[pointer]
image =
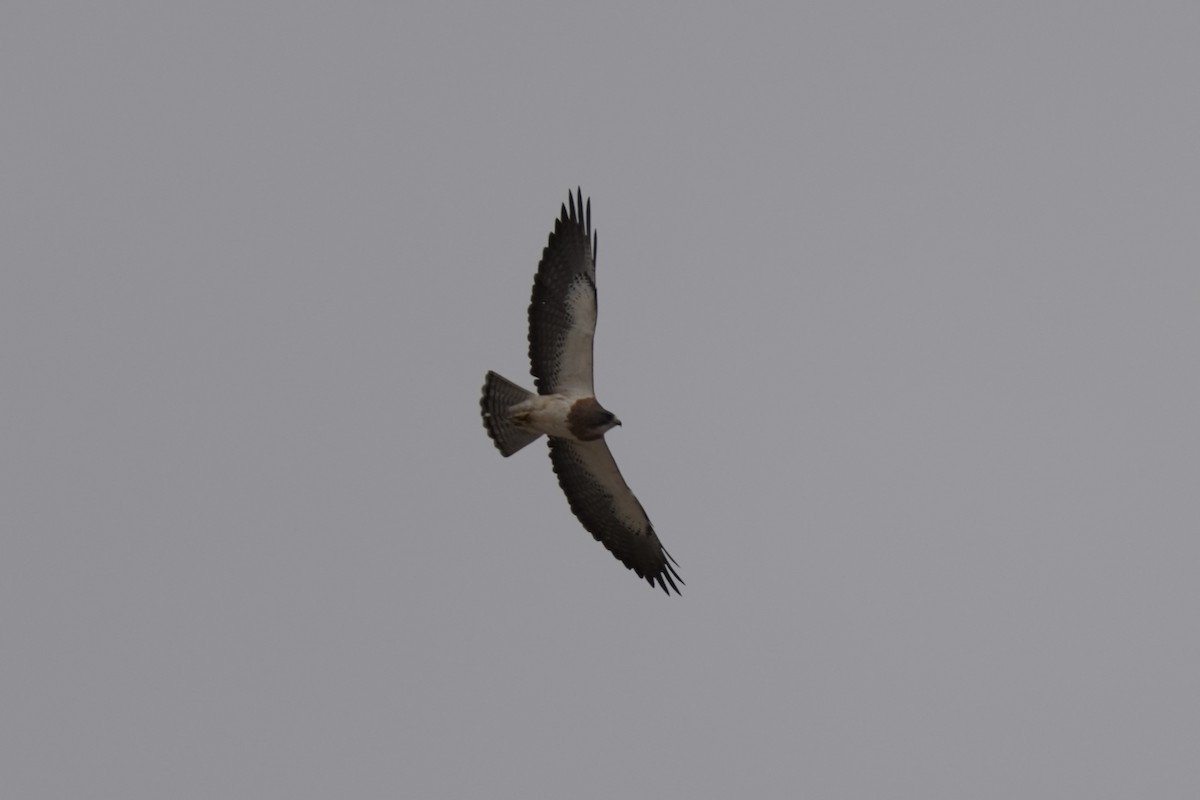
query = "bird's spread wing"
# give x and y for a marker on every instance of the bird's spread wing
(562, 313)
(604, 504)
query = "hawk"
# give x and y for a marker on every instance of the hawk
(562, 324)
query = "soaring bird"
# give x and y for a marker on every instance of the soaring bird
(562, 325)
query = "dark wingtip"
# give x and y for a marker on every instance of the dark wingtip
(583, 217)
(667, 575)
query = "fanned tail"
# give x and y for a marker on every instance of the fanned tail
(499, 395)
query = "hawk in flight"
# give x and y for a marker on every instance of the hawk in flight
(562, 324)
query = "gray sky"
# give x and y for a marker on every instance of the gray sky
(899, 304)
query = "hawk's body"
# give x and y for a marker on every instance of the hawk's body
(562, 324)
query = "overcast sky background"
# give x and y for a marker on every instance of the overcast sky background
(899, 304)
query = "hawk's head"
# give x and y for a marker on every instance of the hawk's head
(588, 420)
